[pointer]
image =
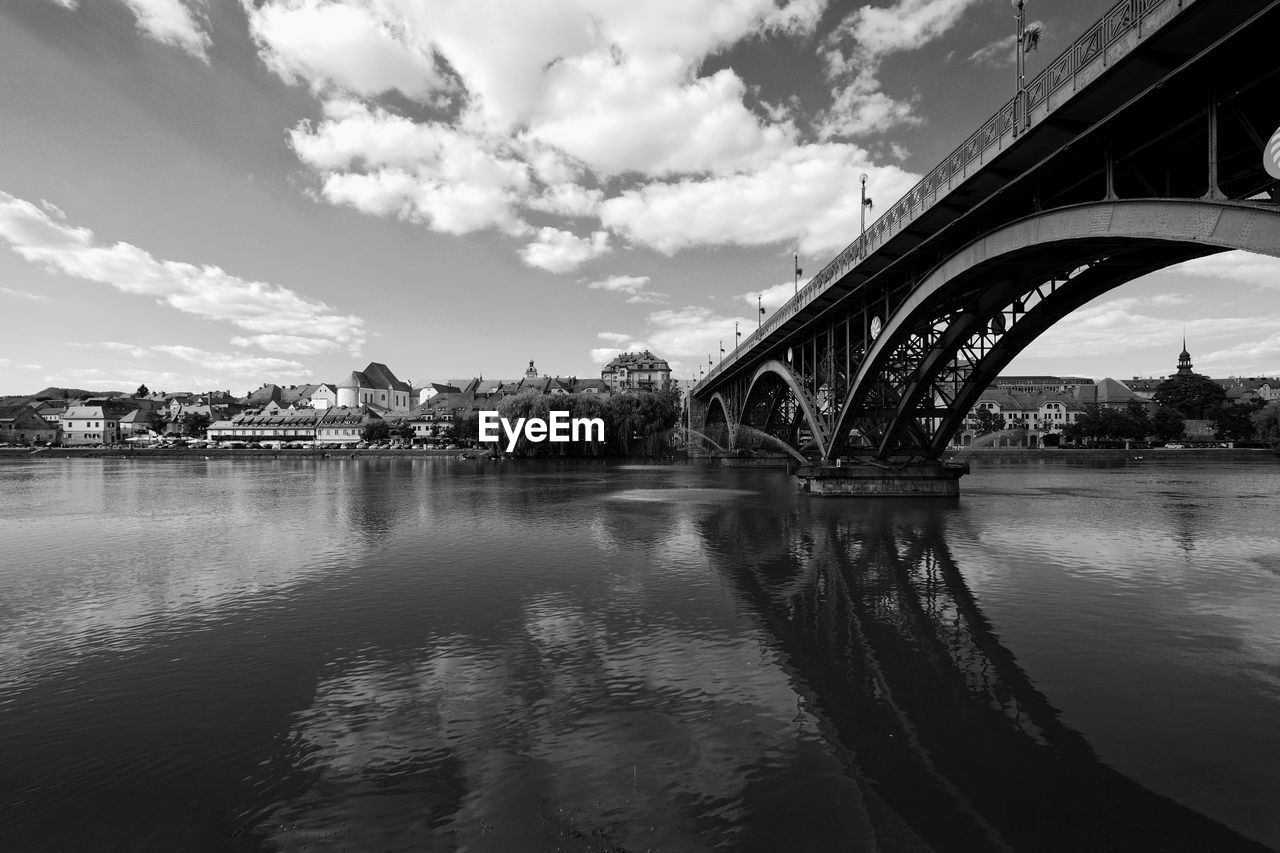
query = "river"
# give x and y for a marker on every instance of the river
(431, 654)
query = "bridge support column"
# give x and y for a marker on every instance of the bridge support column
(927, 478)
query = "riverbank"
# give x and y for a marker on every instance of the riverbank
(985, 454)
(211, 453)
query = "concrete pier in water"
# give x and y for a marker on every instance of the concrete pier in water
(926, 478)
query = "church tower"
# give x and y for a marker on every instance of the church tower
(1184, 359)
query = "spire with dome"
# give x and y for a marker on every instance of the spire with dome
(1184, 358)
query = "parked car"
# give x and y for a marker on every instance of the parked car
(1175, 446)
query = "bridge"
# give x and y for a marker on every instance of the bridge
(1143, 145)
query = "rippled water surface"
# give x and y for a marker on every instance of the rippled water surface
(415, 654)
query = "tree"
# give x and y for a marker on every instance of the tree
(142, 391)
(463, 430)
(1141, 418)
(196, 425)
(1266, 424)
(1167, 424)
(158, 422)
(1191, 394)
(988, 420)
(1233, 422)
(376, 431)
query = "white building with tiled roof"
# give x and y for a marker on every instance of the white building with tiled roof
(375, 386)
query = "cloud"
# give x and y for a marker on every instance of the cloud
(172, 22)
(1261, 271)
(560, 251)
(22, 294)
(178, 366)
(291, 344)
(1124, 324)
(1259, 357)
(809, 196)
(649, 116)
(346, 47)
(43, 237)
(855, 49)
(543, 106)
(1000, 53)
(634, 286)
(685, 337)
(386, 165)
(772, 298)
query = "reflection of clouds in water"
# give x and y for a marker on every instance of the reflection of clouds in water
(169, 541)
(579, 730)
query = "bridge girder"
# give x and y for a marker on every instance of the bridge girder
(956, 326)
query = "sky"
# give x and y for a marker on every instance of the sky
(200, 194)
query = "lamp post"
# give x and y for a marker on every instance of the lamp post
(796, 264)
(759, 310)
(737, 336)
(866, 202)
(1028, 38)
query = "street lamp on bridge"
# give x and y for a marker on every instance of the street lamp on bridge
(866, 202)
(1028, 38)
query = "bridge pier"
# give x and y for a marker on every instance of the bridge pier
(923, 478)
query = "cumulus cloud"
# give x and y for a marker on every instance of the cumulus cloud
(43, 236)
(540, 106)
(772, 298)
(855, 49)
(346, 47)
(560, 251)
(180, 23)
(172, 22)
(385, 165)
(648, 116)
(811, 194)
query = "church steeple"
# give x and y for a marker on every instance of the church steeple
(1184, 358)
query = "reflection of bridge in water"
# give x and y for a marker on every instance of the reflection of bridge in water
(952, 745)
(1141, 146)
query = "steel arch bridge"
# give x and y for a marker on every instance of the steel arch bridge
(1142, 146)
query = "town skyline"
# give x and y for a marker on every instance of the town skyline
(279, 191)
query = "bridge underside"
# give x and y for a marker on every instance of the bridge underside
(900, 387)
(1141, 146)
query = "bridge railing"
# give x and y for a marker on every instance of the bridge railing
(1090, 47)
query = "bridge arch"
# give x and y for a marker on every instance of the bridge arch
(766, 379)
(987, 302)
(718, 426)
